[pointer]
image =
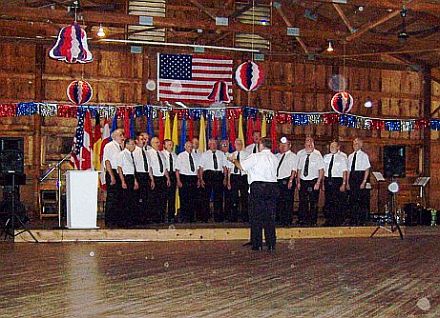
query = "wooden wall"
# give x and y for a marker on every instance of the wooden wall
(118, 77)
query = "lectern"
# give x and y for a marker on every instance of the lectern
(82, 199)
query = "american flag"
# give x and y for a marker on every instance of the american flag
(191, 78)
(81, 156)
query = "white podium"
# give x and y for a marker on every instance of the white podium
(82, 199)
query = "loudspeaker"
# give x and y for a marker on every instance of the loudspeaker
(394, 161)
(11, 155)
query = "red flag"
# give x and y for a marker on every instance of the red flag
(86, 150)
(249, 131)
(273, 133)
(127, 123)
(232, 135)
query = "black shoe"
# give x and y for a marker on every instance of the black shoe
(247, 243)
(271, 248)
(257, 248)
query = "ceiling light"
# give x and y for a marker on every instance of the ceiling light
(360, 8)
(368, 103)
(100, 32)
(330, 47)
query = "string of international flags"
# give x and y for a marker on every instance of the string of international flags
(158, 112)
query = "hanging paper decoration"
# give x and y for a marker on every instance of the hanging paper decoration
(48, 110)
(240, 129)
(161, 129)
(79, 92)
(219, 93)
(342, 102)
(249, 76)
(26, 109)
(71, 45)
(8, 110)
(202, 135)
(167, 133)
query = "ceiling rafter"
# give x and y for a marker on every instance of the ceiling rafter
(344, 17)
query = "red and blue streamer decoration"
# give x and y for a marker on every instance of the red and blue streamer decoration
(219, 93)
(342, 102)
(249, 76)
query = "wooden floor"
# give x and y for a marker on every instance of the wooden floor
(350, 277)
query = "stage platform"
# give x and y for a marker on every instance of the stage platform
(195, 232)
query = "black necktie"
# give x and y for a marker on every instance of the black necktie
(134, 164)
(171, 163)
(145, 160)
(120, 148)
(214, 157)
(238, 158)
(306, 166)
(353, 163)
(330, 167)
(279, 165)
(191, 162)
(160, 162)
(255, 148)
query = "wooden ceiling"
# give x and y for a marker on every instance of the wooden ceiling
(363, 31)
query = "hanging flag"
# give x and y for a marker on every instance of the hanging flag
(214, 133)
(182, 136)
(150, 125)
(202, 135)
(191, 129)
(161, 129)
(106, 138)
(263, 126)
(114, 124)
(273, 133)
(191, 78)
(167, 133)
(127, 123)
(232, 135)
(240, 129)
(175, 136)
(81, 155)
(132, 127)
(97, 140)
(249, 131)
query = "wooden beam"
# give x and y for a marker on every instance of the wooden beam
(289, 24)
(203, 9)
(371, 25)
(421, 50)
(343, 17)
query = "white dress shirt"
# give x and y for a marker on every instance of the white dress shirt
(288, 164)
(303, 152)
(139, 159)
(111, 151)
(184, 166)
(243, 155)
(339, 164)
(207, 160)
(166, 153)
(154, 160)
(316, 163)
(250, 148)
(261, 166)
(362, 161)
(126, 162)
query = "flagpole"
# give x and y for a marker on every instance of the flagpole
(58, 185)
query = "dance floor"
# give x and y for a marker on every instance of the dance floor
(349, 277)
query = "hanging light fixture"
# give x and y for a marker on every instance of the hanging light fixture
(330, 47)
(100, 32)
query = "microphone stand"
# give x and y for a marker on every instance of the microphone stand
(57, 166)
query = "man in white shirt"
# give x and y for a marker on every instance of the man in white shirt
(336, 176)
(146, 140)
(187, 180)
(358, 174)
(238, 185)
(213, 175)
(144, 176)
(255, 146)
(310, 176)
(286, 174)
(171, 157)
(129, 183)
(113, 200)
(261, 169)
(159, 166)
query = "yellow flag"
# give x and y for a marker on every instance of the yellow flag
(175, 137)
(263, 126)
(167, 134)
(177, 201)
(240, 129)
(96, 154)
(202, 135)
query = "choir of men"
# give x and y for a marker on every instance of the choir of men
(142, 182)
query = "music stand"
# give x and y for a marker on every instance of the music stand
(421, 182)
(390, 217)
(379, 178)
(11, 178)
